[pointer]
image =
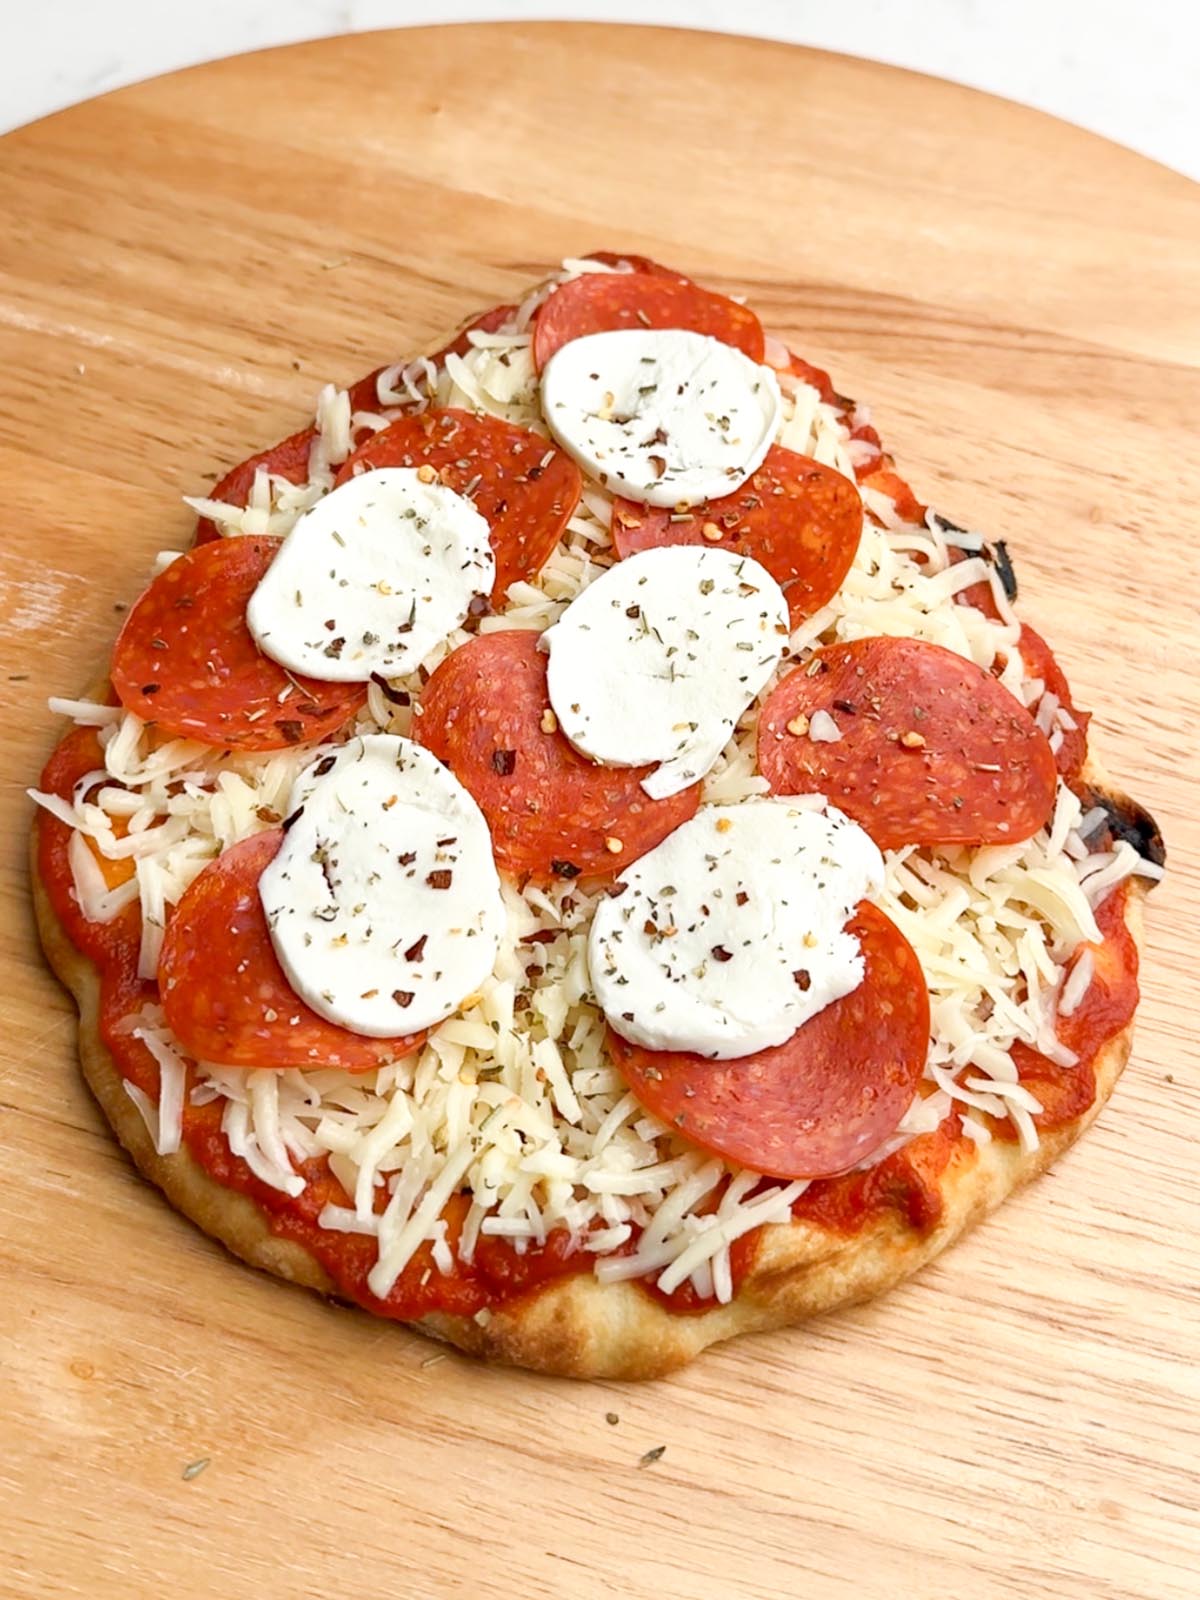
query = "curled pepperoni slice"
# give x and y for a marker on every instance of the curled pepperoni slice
(224, 993)
(1040, 662)
(930, 749)
(486, 714)
(524, 486)
(289, 458)
(800, 519)
(599, 302)
(821, 1101)
(186, 660)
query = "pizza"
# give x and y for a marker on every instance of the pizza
(577, 859)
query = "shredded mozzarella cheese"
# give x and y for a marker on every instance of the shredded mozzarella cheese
(515, 1103)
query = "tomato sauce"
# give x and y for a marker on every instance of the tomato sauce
(1040, 662)
(1107, 1006)
(906, 1183)
(685, 1301)
(102, 942)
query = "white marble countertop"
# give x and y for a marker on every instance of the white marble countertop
(1124, 71)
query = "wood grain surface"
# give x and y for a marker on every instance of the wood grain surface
(181, 264)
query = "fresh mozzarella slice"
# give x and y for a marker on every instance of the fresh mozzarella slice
(658, 658)
(665, 417)
(383, 902)
(369, 580)
(730, 935)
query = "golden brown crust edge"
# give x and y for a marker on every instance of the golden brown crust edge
(577, 1327)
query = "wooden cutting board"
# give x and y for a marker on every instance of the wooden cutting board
(182, 264)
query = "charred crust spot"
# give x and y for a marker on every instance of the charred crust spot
(993, 551)
(997, 554)
(1129, 822)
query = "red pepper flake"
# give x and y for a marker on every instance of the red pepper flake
(440, 878)
(416, 950)
(402, 997)
(803, 980)
(504, 762)
(565, 869)
(719, 953)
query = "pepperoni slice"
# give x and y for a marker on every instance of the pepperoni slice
(598, 302)
(793, 370)
(289, 458)
(186, 660)
(484, 713)
(821, 1101)
(224, 993)
(932, 749)
(524, 486)
(880, 474)
(817, 378)
(1040, 662)
(800, 519)
(364, 395)
(635, 263)
(485, 322)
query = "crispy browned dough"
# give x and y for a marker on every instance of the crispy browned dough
(576, 1327)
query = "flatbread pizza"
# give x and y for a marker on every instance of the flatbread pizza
(576, 858)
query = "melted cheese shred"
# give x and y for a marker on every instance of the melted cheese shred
(514, 1102)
